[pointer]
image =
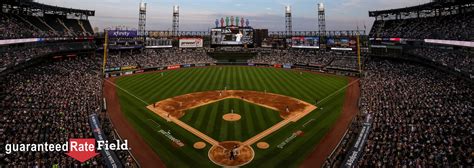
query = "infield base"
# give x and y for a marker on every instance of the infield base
(263, 145)
(199, 145)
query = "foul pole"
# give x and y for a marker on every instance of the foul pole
(358, 53)
(105, 51)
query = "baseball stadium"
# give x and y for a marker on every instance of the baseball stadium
(236, 84)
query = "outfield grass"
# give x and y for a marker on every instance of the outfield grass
(153, 87)
(208, 120)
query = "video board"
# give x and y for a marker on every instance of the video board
(342, 43)
(231, 36)
(305, 42)
(158, 43)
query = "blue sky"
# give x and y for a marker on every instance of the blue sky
(201, 14)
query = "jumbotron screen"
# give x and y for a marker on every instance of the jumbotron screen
(342, 42)
(305, 42)
(231, 36)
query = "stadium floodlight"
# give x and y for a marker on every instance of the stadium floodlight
(142, 19)
(175, 20)
(288, 22)
(321, 18)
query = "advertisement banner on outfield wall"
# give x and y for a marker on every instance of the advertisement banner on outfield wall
(287, 66)
(277, 65)
(190, 43)
(174, 67)
(128, 68)
(112, 69)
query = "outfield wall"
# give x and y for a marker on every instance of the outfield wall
(121, 71)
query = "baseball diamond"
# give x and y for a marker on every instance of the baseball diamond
(190, 103)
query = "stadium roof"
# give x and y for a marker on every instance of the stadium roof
(29, 4)
(427, 6)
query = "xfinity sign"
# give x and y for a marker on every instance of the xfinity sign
(122, 33)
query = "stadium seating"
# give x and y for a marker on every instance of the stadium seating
(165, 57)
(13, 27)
(421, 117)
(14, 55)
(456, 58)
(451, 27)
(50, 103)
(308, 57)
(158, 58)
(26, 26)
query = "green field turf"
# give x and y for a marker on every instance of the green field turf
(154, 87)
(208, 120)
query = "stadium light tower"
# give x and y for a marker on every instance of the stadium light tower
(321, 18)
(175, 20)
(288, 24)
(142, 19)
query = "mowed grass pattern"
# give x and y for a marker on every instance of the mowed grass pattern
(208, 120)
(153, 87)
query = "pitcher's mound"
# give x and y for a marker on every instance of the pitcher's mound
(263, 145)
(199, 145)
(231, 117)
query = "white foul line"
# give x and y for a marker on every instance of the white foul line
(128, 92)
(337, 91)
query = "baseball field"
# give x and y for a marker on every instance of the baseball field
(181, 114)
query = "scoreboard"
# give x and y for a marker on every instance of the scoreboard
(305, 42)
(232, 36)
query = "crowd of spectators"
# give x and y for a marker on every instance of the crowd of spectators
(11, 27)
(16, 26)
(119, 59)
(451, 27)
(51, 103)
(307, 57)
(421, 117)
(459, 58)
(14, 55)
(165, 57)
(351, 136)
(346, 62)
(159, 58)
